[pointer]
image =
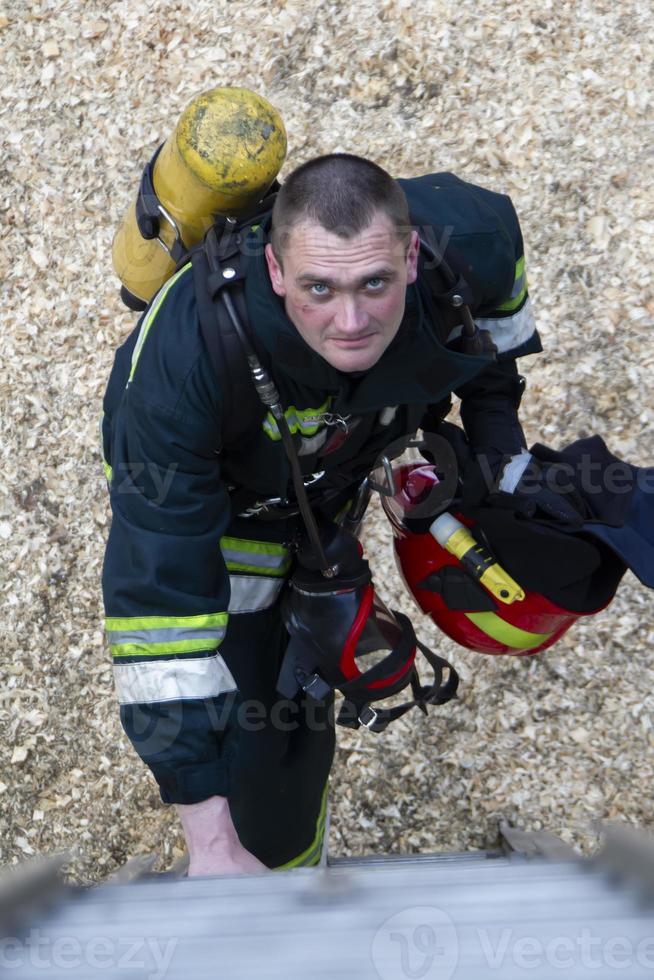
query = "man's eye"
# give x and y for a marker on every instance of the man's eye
(319, 289)
(376, 283)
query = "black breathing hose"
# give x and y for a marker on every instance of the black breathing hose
(269, 395)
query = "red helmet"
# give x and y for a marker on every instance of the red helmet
(458, 601)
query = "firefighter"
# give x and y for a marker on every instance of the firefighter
(349, 309)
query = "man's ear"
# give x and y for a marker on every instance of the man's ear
(275, 272)
(412, 257)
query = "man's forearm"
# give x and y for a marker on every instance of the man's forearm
(208, 824)
(213, 844)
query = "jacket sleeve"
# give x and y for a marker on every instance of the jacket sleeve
(490, 401)
(509, 319)
(489, 413)
(166, 587)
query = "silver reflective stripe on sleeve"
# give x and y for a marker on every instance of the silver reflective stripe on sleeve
(234, 556)
(514, 471)
(519, 284)
(510, 331)
(311, 444)
(172, 680)
(255, 557)
(174, 635)
(507, 332)
(252, 593)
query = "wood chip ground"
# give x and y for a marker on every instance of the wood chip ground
(549, 102)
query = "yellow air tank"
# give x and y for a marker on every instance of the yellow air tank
(222, 157)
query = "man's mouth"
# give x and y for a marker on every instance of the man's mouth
(353, 342)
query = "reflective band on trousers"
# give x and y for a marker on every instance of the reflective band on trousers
(153, 636)
(311, 855)
(152, 681)
(263, 557)
(252, 593)
(511, 636)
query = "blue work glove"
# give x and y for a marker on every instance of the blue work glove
(539, 490)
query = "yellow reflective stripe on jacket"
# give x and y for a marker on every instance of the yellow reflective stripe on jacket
(108, 472)
(302, 420)
(153, 636)
(150, 317)
(311, 855)
(145, 649)
(259, 557)
(511, 636)
(519, 290)
(200, 621)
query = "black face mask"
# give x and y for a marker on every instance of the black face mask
(342, 636)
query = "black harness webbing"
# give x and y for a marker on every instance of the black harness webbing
(242, 408)
(357, 711)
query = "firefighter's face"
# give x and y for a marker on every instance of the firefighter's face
(345, 296)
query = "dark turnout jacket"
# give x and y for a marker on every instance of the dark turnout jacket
(180, 560)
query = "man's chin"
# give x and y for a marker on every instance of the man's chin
(354, 360)
(353, 365)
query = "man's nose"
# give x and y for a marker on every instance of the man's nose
(350, 316)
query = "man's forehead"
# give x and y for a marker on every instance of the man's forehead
(379, 240)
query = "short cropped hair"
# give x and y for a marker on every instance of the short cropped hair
(341, 192)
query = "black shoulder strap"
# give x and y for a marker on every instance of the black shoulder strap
(453, 297)
(242, 409)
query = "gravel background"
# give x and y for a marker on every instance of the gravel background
(550, 103)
